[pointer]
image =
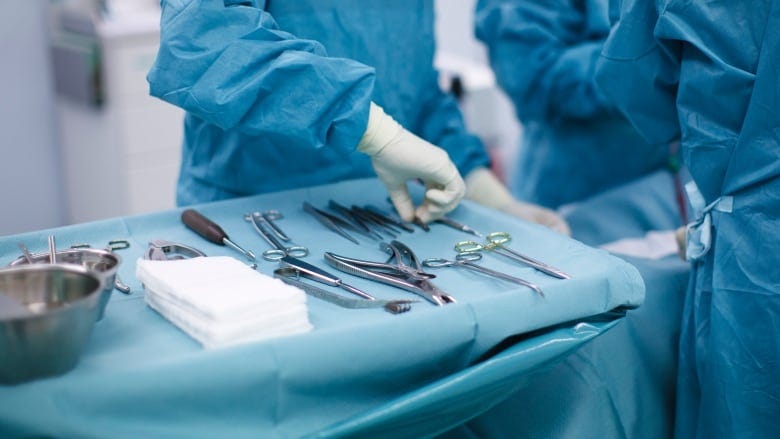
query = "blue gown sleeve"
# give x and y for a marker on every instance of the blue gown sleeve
(682, 70)
(443, 126)
(231, 65)
(541, 57)
(639, 76)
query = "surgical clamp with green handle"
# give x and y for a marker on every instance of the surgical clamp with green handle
(495, 242)
(466, 260)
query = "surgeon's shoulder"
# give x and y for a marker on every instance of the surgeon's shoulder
(172, 8)
(175, 5)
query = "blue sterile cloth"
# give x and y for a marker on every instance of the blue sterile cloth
(621, 384)
(140, 376)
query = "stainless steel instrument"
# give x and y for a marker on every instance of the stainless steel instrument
(160, 250)
(466, 260)
(279, 250)
(495, 242)
(405, 273)
(311, 272)
(291, 276)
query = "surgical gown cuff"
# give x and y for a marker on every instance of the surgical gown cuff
(381, 129)
(483, 187)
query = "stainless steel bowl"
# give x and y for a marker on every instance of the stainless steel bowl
(47, 312)
(103, 262)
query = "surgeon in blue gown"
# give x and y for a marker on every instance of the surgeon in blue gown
(289, 94)
(707, 73)
(575, 144)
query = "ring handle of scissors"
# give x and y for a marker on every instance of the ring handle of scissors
(438, 262)
(468, 256)
(297, 251)
(460, 259)
(469, 247)
(498, 238)
(276, 254)
(492, 241)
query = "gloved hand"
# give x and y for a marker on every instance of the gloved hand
(398, 156)
(484, 188)
(682, 242)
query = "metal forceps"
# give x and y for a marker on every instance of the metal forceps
(495, 242)
(270, 216)
(466, 260)
(279, 250)
(405, 272)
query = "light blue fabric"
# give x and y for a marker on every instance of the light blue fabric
(141, 377)
(707, 72)
(574, 143)
(456, 398)
(621, 384)
(277, 93)
(699, 232)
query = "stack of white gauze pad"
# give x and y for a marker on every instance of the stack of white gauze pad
(219, 301)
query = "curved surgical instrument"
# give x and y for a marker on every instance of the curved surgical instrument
(495, 242)
(467, 259)
(279, 251)
(406, 273)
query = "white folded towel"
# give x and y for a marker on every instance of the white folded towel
(656, 244)
(220, 301)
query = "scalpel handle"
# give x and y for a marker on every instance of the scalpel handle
(203, 226)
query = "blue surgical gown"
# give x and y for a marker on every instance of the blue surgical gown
(277, 93)
(707, 72)
(574, 144)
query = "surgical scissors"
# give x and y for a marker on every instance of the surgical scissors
(467, 259)
(279, 251)
(495, 242)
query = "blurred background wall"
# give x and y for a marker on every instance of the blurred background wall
(30, 174)
(76, 149)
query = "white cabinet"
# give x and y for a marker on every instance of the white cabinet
(120, 147)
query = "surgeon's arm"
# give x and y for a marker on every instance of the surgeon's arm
(233, 67)
(638, 75)
(539, 57)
